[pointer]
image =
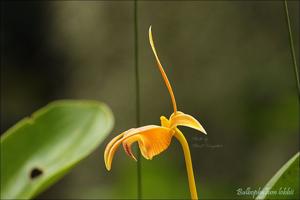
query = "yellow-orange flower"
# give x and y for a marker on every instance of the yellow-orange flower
(153, 139)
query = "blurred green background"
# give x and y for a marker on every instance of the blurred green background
(229, 63)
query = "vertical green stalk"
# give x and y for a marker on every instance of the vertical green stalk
(137, 100)
(292, 46)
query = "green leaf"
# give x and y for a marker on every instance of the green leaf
(285, 183)
(39, 150)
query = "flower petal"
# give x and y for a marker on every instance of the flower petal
(108, 148)
(142, 135)
(152, 140)
(162, 71)
(181, 119)
(164, 122)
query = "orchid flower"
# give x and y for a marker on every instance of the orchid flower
(152, 139)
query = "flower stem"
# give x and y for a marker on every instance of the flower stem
(137, 101)
(188, 162)
(292, 45)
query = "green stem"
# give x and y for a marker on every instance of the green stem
(292, 45)
(188, 162)
(137, 101)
